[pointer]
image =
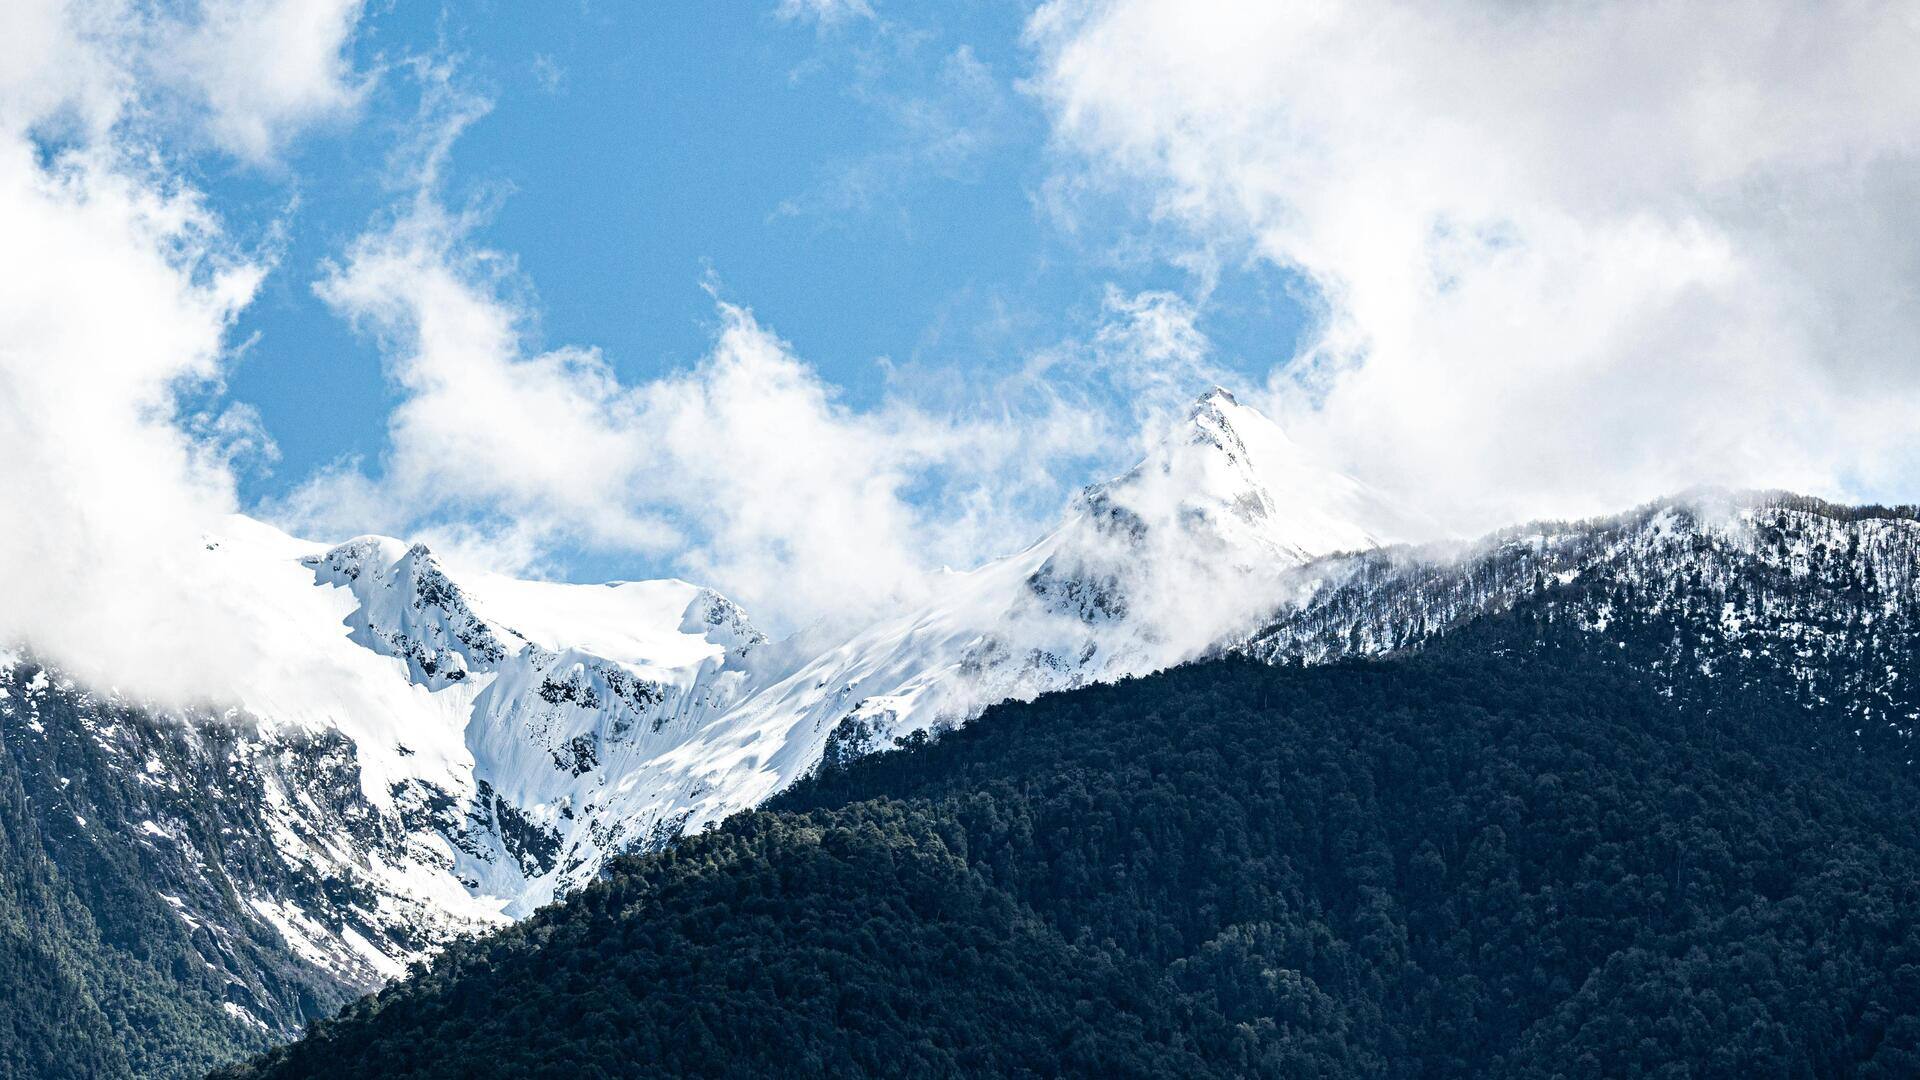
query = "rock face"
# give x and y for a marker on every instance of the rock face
(423, 753)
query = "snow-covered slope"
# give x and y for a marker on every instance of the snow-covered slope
(1150, 569)
(420, 758)
(419, 752)
(423, 753)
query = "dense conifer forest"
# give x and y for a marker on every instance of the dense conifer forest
(113, 961)
(96, 996)
(1510, 855)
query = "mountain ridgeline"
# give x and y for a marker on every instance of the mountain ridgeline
(1806, 599)
(1518, 852)
(427, 753)
(421, 751)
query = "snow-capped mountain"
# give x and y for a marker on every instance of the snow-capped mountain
(1147, 570)
(410, 760)
(423, 753)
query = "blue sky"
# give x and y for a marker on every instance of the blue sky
(806, 299)
(874, 189)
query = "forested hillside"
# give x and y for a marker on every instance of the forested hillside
(1509, 855)
(99, 976)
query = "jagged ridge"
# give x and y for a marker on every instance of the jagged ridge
(468, 747)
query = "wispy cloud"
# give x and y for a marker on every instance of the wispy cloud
(747, 470)
(548, 74)
(823, 12)
(1146, 350)
(935, 114)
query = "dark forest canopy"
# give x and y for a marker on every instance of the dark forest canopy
(100, 977)
(1482, 860)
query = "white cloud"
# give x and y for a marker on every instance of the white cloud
(746, 470)
(265, 68)
(824, 12)
(114, 293)
(47, 68)
(244, 75)
(117, 289)
(1569, 255)
(793, 492)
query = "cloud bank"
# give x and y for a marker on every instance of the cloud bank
(117, 289)
(1567, 256)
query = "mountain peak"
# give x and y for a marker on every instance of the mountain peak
(408, 608)
(1231, 469)
(1225, 494)
(1218, 420)
(1216, 394)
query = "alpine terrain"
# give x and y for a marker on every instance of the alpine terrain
(1511, 854)
(424, 754)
